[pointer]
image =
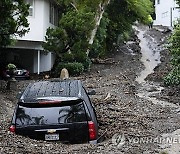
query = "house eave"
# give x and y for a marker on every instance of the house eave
(33, 45)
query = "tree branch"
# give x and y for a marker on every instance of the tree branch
(74, 6)
(98, 20)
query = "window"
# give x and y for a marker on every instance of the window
(53, 14)
(44, 116)
(158, 1)
(31, 7)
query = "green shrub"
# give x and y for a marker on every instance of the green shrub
(99, 46)
(173, 78)
(68, 57)
(81, 57)
(174, 46)
(74, 68)
(11, 66)
(87, 64)
(164, 152)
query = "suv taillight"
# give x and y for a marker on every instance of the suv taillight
(12, 129)
(92, 130)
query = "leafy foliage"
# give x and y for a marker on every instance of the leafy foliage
(80, 57)
(178, 2)
(70, 39)
(12, 20)
(173, 78)
(174, 46)
(122, 14)
(98, 49)
(72, 34)
(140, 8)
(79, 18)
(11, 66)
(74, 68)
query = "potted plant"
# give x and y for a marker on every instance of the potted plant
(11, 73)
(11, 70)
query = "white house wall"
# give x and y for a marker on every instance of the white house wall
(46, 61)
(166, 12)
(53, 58)
(46, 24)
(38, 24)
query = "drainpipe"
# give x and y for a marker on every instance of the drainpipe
(39, 56)
(172, 11)
(171, 18)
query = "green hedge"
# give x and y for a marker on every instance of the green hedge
(67, 57)
(73, 68)
(173, 78)
(78, 57)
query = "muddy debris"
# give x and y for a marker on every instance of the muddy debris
(120, 111)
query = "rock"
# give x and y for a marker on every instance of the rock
(151, 89)
(92, 92)
(12, 85)
(90, 86)
(170, 93)
(132, 88)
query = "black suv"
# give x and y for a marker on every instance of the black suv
(56, 111)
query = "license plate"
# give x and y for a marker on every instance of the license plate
(51, 137)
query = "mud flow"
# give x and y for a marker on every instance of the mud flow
(128, 103)
(148, 90)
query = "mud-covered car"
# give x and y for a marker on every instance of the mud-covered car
(21, 73)
(56, 111)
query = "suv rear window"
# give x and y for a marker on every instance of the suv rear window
(50, 115)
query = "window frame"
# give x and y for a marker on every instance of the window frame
(53, 14)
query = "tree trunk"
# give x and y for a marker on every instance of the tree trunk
(98, 21)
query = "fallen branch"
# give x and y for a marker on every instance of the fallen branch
(107, 96)
(103, 61)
